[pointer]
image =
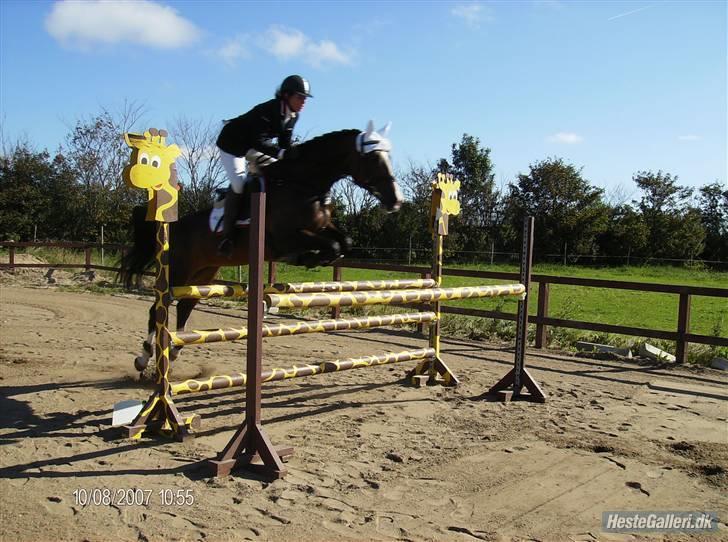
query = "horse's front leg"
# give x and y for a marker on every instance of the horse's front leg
(334, 233)
(314, 250)
(184, 309)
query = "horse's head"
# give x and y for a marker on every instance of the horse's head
(373, 170)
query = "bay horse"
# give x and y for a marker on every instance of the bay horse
(298, 225)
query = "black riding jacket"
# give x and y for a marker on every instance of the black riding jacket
(256, 130)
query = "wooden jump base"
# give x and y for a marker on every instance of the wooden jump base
(241, 290)
(181, 338)
(298, 371)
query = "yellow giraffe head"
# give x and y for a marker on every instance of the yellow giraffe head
(444, 202)
(151, 166)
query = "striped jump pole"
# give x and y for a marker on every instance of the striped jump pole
(241, 290)
(297, 371)
(182, 338)
(390, 297)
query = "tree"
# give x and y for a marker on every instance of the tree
(626, 232)
(22, 198)
(96, 152)
(714, 218)
(479, 199)
(567, 209)
(38, 196)
(673, 223)
(199, 168)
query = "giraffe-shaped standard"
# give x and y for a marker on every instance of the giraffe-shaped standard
(444, 202)
(152, 167)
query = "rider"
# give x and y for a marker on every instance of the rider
(249, 137)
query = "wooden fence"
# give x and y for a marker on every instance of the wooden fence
(87, 248)
(681, 336)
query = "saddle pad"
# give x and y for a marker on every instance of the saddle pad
(216, 219)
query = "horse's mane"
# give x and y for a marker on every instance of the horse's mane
(323, 142)
(317, 159)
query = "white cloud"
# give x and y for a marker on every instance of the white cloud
(325, 51)
(565, 137)
(283, 42)
(689, 137)
(142, 22)
(288, 43)
(473, 14)
(233, 50)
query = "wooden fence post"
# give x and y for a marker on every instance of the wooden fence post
(542, 339)
(87, 251)
(11, 258)
(683, 327)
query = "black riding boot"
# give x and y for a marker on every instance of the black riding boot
(233, 208)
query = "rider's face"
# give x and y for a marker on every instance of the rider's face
(296, 102)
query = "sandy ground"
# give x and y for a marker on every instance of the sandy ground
(374, 459)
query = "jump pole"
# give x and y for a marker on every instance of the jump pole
(182, 338)
(298, 371)
(241, 290)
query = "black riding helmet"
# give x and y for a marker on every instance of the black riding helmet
(295, 84)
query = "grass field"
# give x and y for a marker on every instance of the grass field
(709, 315)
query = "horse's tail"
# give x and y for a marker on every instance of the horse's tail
(141, 256)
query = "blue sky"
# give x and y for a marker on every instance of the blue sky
(613, 87)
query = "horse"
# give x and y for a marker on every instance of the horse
(298, 227)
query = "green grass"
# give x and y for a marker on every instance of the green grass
(709, 315)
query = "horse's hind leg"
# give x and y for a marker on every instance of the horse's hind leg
(142, 360)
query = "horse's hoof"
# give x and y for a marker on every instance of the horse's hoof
(140, 363)
(348, 245)
(174, 353)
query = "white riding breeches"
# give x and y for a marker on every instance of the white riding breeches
(235, 169)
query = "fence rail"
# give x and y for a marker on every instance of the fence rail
(87, 248)
(681, 336)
